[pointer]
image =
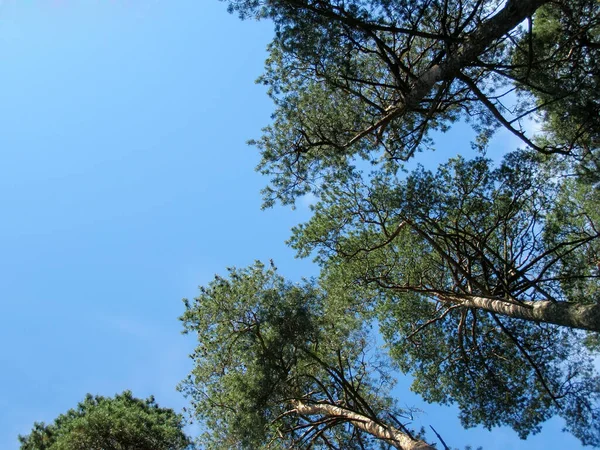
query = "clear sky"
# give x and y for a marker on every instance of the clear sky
(125, 182)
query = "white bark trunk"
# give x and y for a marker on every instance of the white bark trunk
(572, 315)
(391, 435)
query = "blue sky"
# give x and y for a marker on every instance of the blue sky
(125, 182)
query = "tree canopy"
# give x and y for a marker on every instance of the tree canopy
(483, 276)
(278, 367)
(469, 270)
(373, 79)
(122, 422)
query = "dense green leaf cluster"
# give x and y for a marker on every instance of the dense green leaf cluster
(122, 422)
(470, 229)
(558, 64)
(264, 344)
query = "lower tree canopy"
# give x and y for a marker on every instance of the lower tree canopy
(483, 280)
(282, 365)
(279, 366)
(122, 422)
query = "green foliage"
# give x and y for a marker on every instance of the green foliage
(510, 232)
(470, 358)
(467, 229)
(576, 213)
(558, 67)
(359, 82)
(264, 343)
(373, 79)
(119, 423)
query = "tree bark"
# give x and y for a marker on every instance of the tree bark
(572, 315)
(387, 433)
(510, 16)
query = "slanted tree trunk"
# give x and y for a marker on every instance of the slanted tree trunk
(510, 16)
(572, 315)
(387, 433)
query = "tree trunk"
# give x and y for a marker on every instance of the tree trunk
(387, 433)
(572, 315)
(509, 17)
